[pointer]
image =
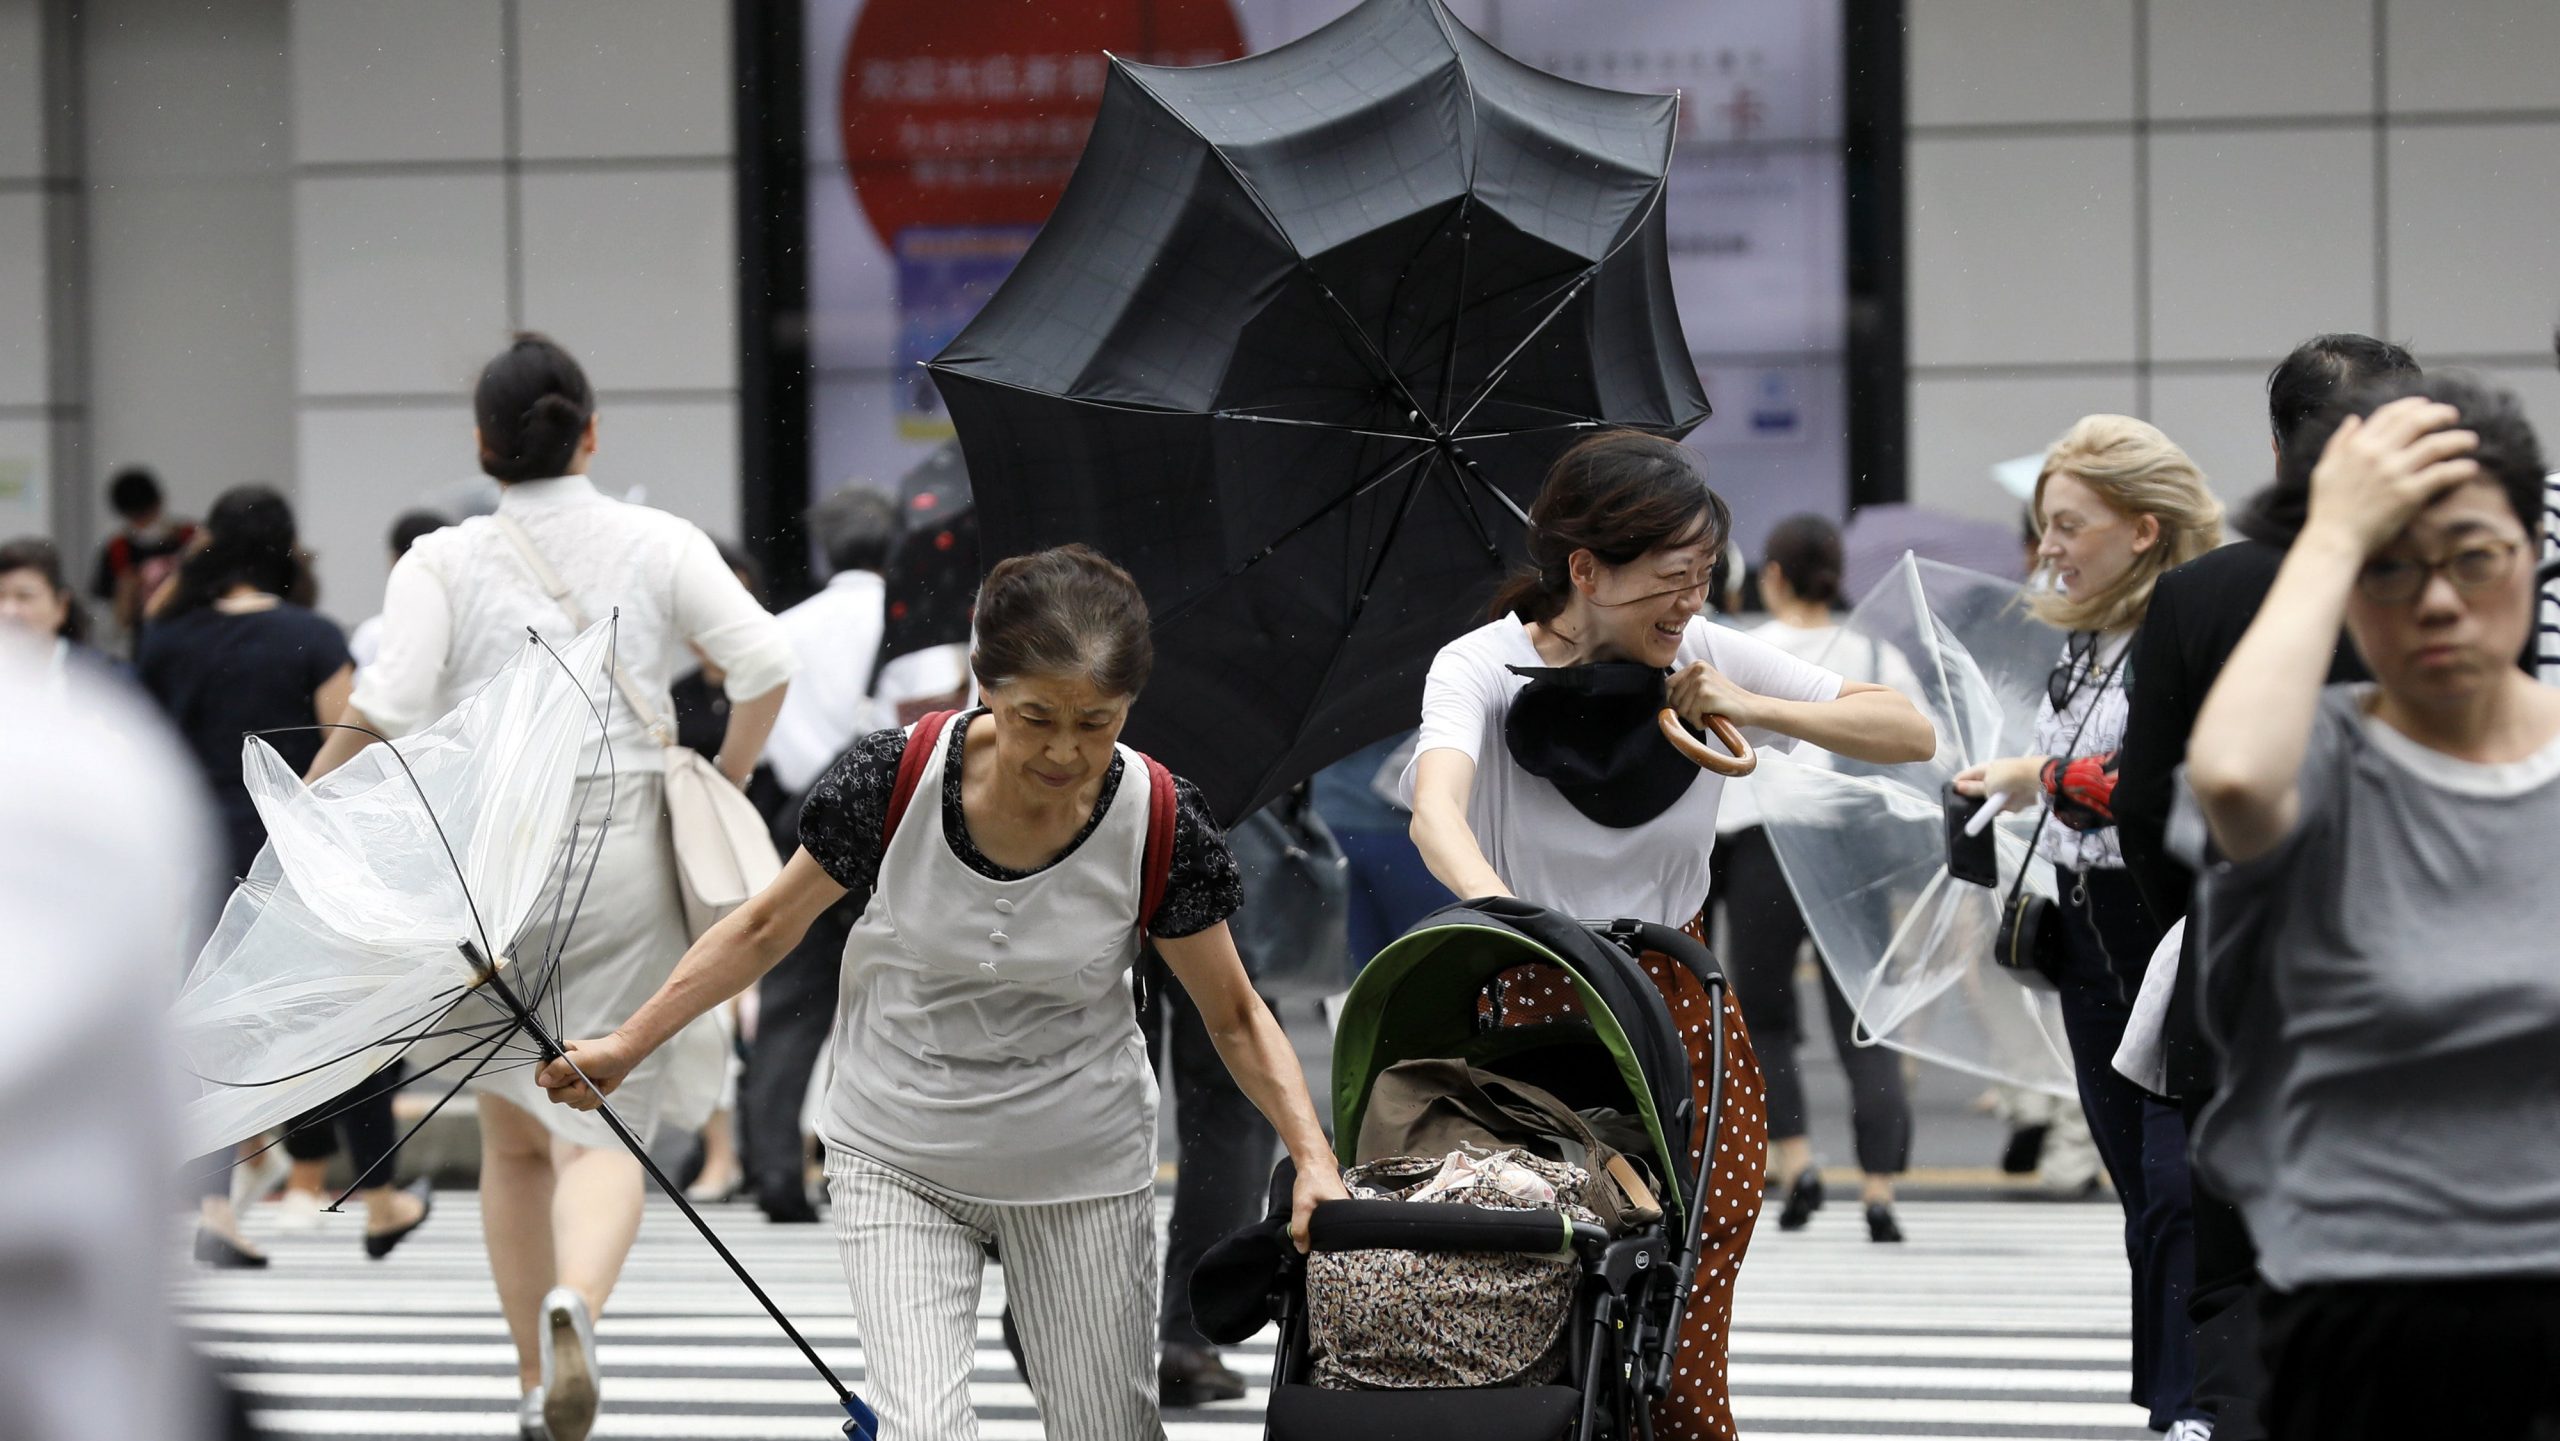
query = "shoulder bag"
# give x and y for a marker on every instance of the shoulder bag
(724, 853)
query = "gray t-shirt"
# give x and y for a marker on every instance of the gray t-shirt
(2386, 987)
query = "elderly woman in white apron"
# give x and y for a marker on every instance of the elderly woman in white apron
(989, 1081)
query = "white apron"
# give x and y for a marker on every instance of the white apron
(985, 1038)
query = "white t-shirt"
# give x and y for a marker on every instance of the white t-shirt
(1551, 854)
(835, 636)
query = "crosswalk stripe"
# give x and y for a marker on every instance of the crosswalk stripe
(1999, 1321)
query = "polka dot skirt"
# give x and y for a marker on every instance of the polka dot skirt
(1699, 1406)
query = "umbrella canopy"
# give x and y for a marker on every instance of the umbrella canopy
(1876, 537)
(1864, 847)
(933, 577)
(1297, 347)
(344, 945)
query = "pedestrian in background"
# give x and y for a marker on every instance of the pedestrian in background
(1799, 578)
(36, 600)
(2197, 615)
(2119, 504)
(228, 657)
(143, 553)
(2379, 943)
(365, 642)
(835, 643)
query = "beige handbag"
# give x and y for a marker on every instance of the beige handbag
(724, 853)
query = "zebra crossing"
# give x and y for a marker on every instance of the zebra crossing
(1998, 1321)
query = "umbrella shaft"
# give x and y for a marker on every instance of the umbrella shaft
(552, 1050)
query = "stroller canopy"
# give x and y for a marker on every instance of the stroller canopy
(1419, 999)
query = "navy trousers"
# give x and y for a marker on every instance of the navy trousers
(2142, 1139)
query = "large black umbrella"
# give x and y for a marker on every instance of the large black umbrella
(1296, 347)
(933, 576)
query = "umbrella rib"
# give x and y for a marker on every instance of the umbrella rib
(1386, 473)
(1335, 426)
(976, 378)
(1937, 652)
(1351, 620)
(446, 1099)
(460, 880)
(1475, 521)
(1500, 370)
(1466, 206)
(559, 939)
(1525, 430)
(1501, 495)
(1350, 323)
(405, 1040)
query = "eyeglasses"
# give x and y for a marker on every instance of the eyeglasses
(2400, 580)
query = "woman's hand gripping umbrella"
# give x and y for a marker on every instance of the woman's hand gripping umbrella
(381, 922)
(1865, 847)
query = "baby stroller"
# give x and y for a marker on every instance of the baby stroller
(1427, 996)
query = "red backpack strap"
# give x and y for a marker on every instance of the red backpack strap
(1161, 809)
(911, 763)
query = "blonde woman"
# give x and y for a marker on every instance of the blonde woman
(2117, 503)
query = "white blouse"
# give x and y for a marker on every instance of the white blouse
(460, 601)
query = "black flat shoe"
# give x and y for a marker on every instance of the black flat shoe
(2024, 1152)
(1188, 1376)
(1803, 1199)
(378, 1246)
(787, 1207)
(1881, 1226)
(223, 1254)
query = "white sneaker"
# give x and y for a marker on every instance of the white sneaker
(568, 1338)
(2190, 1431)
(298, 1211)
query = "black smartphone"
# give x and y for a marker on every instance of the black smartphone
(1974, 858)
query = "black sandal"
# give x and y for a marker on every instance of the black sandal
(1803, 1199)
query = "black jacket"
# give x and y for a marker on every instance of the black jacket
(2197, 615)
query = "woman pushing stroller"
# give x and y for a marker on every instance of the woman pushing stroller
(990, 1083)
(1537, 775)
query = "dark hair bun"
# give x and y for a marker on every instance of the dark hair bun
(532, 405)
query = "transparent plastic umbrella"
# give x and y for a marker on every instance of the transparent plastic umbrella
(384, 917)
(384, 893)
(1864, 846)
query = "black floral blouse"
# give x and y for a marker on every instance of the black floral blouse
(840, 827)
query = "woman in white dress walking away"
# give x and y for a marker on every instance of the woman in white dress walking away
(560, 1199)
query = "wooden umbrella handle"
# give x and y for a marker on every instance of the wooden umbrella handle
(1742, 762)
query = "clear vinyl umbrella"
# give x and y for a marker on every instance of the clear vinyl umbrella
(383, 895)
(1864, 847)
(383, 918)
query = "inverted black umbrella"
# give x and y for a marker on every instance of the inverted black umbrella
(933, 576)
(1296, 347)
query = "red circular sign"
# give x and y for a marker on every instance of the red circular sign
(974, 113)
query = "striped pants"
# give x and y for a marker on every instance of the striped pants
(1080, 1276)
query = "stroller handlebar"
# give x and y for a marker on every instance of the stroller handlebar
(1448, 1226)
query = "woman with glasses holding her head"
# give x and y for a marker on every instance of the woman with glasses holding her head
(2116, 504)
(2379, 963)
